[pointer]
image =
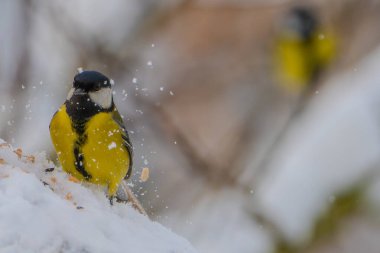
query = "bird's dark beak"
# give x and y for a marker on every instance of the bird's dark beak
(79, 92)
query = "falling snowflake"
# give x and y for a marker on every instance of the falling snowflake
(112, 145)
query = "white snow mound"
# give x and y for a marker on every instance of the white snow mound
(62, 215)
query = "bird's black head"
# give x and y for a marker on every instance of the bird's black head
(91, 93)
(91, 81)
(303, 21)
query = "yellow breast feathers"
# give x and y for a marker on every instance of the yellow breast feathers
(97, 150)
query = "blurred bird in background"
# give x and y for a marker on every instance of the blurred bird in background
(89, 135)
(303, 49)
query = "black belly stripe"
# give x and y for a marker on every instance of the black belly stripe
(78, 154)
(79, 163)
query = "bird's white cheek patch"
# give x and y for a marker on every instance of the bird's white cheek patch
(102, 97)
(70, 94)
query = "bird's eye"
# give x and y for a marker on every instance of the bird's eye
(97, 88)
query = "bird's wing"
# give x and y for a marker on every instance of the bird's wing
(126, 141)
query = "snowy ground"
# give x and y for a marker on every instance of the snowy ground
(51, 212)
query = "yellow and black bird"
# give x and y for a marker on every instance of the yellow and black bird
(303, 49)
(89, 136)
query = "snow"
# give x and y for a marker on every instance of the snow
(62, 215)
(219, 221)
(112, 145)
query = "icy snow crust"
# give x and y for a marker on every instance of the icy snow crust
(62, 215)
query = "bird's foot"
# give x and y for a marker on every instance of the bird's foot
(111, 200)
